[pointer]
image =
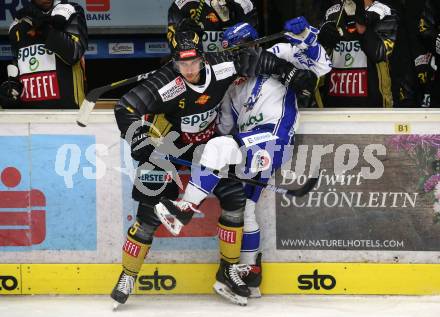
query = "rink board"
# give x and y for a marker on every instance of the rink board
(279, 278)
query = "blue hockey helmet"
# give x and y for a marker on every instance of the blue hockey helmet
(239, 33)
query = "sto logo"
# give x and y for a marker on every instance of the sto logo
(22, 214)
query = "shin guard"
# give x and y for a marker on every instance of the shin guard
(230, 236)
(135, 250)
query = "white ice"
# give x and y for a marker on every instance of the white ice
(213, 306)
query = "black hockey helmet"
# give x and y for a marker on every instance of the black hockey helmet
(44, 5)
(186, 45)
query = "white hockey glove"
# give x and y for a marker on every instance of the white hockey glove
(61, 14)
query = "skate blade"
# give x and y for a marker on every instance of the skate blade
(225, 292)
(115, 305)
(164, 216)
(255, 292)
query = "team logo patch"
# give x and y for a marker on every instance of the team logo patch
(261, 161)
(198, 121)
(348, 83)
(172, 89)
(131, 248)
(40, 86)
(227, 236)
(188, 54)
(212, 18)
(349, 54)
(258, 138)
(202, 100)
(155, 177)
(223, 70)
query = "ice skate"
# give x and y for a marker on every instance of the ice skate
(252, 275)
(174, 214)
(229, 284)
(123, 288)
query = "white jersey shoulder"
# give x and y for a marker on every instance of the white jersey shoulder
(320, 66)
(381, 9)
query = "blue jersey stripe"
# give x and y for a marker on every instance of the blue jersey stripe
(288, 116)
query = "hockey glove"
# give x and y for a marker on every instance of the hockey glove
(139, 151)
(11, 89)
(328, 35)
(303, 35)
(423, 68)
(424, 72)
(246, 61)
(221, 8)
(61, 14)
(300, 80)
(360, 14)
(269, 64)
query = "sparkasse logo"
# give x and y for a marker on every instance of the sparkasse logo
(98, 5)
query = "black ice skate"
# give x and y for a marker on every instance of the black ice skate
(229, 284)
(174, 214)
(123, 288)
(252, 276)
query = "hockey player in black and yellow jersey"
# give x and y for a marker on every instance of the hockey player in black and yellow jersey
(210, 18)
(429, 29)
(48, 40)
(183, 96)
(360, 41)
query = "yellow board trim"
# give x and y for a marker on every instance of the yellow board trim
(278, 278)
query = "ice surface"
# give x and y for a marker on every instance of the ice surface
(213, 306)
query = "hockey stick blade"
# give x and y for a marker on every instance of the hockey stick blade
(302, 36)
(89, 102)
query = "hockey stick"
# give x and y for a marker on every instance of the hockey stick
(304, 190)
(269, 38)
(90, 100)
(341, 11)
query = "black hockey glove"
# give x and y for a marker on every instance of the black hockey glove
(302, 81)
(61, 14)
(423, 69)
(360, 14)
(269, 64)
(11, 89)
(138, 152)
(246, 61)
(328, 35)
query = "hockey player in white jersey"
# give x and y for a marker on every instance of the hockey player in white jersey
(257, 120)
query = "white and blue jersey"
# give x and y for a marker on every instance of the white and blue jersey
(265, 103)
(262, 114)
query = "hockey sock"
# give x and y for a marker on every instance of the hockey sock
(230, 236)
(201, 184)
(135, 249)
(251, 235)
